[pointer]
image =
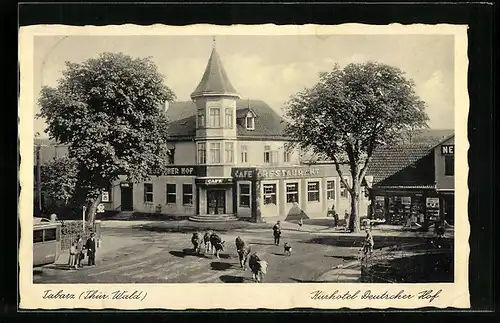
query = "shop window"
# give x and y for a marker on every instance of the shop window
(269, 194)
(229, 148)
(292, 193)
(215, 152)
(187, 194)
(229, 117)
(244, 195)
(148, 193)
(330, 190)
(343, 190)
(449, 165)
(202, 156)
(214, 117)
(244, 154)
(171, 194)
(313, 191)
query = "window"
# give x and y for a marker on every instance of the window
(250, 123)
(202, 156)
(286, 156)
(170, 155)
(49, 235)
(171, 194)
(37, 236)
(201, 119)
(229, 147)
(148, 193)
(244, 195)
(313, 191)
(449, 165)
(269, 194)
(215, 153)
(229, 118)
(214, 115)
(330, 190)
(292, 193)
(244, 155)
(267, 154)
(274, 157)
(187, 194)
(343, 189)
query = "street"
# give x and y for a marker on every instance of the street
(166, 257)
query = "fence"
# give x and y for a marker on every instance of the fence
(70, 237)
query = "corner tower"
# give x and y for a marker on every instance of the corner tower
(215, 99)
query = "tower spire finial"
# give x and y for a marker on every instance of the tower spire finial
(214, 42)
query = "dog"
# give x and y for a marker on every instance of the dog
(287, 248)
(243, 251)
(258, 267)
(196, 241)
(206, 240)
(217, 244)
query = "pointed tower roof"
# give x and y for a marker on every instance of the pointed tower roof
(214, 80)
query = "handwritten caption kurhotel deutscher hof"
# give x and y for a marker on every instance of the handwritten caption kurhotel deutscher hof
(428, 294)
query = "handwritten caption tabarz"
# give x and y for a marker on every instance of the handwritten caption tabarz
(96, 294)
(428, 294)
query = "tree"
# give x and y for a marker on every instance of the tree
(107, 109)
(58, 180)
(351, 111)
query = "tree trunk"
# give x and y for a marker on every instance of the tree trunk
(354, 221)
(92, 210)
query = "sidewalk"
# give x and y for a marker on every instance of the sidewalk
(108, 244)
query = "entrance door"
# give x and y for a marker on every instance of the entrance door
(127, 198)
(216, 201)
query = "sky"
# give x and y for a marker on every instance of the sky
(268, 68)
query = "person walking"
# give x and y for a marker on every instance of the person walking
(72, 255)
(79, 252)
(301, 222)
(277, 233)
(90, 246)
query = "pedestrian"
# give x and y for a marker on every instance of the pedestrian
(346, 218)
(90, 246)
(301, 222)
(277, 233)
(72, 255)
(335, 219)
(368, 244)
(79, 252)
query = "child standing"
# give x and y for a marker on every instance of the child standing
(72, 256)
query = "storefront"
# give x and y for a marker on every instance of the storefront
(397, 205)
(291, 192)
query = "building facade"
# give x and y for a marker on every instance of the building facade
(229, 159)
(416, 179)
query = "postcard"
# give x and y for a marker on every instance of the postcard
(243, 167)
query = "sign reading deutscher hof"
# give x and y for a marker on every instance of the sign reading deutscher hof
(196, 167)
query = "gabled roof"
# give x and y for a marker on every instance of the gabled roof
(402, 165)
(242, 113)
(214, 80)
(268, 125)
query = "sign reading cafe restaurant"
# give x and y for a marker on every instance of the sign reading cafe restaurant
(275, 173)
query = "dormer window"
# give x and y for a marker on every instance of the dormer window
(250, 123)
(250, 120)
